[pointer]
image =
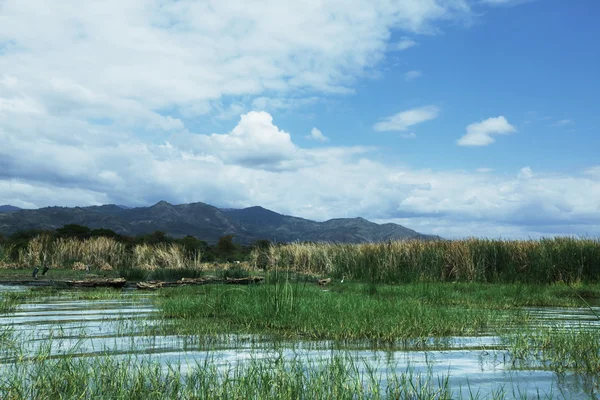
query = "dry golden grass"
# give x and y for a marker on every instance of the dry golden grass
(104, 254)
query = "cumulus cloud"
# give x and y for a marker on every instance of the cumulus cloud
(480, 133)
(258, 163)
(317, 135)
(405, 119)
(412, 75)
(254, 142)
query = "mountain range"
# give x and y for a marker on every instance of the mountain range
(206, 223)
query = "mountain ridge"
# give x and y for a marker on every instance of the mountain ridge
(6, 208)
(206, 222)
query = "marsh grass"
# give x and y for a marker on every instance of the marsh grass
(558, 349)
(8, 304)
(274, 376)
(134, 378)
(351, 312)
(289, 305)
(567, 260)
(13, 299)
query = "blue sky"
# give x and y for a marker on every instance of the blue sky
(452, 117)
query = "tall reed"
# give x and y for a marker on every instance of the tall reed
(469, 260)
(105, 254)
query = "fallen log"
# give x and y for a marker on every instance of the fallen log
(151, 285)
(195, 281)
(148, 285)
(94, 283)
(244, 281)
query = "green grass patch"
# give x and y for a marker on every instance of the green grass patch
(352, 312)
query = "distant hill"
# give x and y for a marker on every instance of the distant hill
(206, 223)
(8, 208)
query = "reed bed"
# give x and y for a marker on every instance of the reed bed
(101, 253)
(470, 260)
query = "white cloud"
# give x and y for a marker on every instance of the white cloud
(525, 173)
(403, 44)
(504, 2)
(563, 122)
(186, 55)
(255, 142)
(405, 119)
(593, 171)
(258, 163)
(412, 75)
(271, 104)
(480, 133)
(317, 135)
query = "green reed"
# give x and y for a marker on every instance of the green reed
(469, 260)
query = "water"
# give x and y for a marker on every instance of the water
(480, 365)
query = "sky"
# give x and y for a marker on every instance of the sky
(452, 117)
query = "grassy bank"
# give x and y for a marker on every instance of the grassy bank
(470, 260)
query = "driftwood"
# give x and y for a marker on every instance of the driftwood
(232, 281)
(93, 283)
(244, 281)
(148, 285)
(323, 282)
(151, 285)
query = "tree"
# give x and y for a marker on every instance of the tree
(74, 231)
(225, 246)
(103, 232)
(262, 247)
(155, 237)
(193, 245)
(262, 244)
